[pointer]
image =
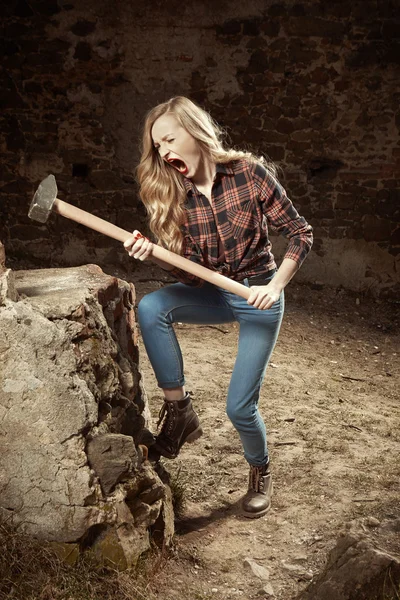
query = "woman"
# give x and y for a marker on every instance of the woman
(213, 205)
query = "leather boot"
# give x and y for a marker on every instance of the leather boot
(181, 424)
(257, 501)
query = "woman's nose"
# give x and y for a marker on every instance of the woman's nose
(164, 153)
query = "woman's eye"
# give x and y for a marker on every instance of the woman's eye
(171, 140)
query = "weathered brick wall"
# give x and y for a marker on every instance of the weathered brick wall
(311, 85)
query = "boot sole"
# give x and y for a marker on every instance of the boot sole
(192, 437)
(256, 515)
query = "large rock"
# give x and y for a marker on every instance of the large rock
(364, 564)
(7, 287)
(73, 414)
(7, 283)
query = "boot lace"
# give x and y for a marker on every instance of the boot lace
(256, 479)
(167, 411)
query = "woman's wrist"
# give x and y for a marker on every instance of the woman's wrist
(278, 286)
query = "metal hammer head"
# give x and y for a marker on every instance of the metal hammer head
(43, 200)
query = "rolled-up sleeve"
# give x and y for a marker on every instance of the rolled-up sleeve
(282, 215)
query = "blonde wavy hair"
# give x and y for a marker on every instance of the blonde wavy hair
(161, 187)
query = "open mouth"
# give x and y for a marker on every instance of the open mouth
(178, 164)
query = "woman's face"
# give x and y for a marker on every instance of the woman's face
(176, 146)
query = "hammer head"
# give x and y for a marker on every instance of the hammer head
(43, 200)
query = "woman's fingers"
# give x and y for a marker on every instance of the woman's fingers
(131, 241)
(263, 298)
(256, 296)
(138, 246)
(144, 251)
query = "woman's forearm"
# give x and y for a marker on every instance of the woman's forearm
(285, 272)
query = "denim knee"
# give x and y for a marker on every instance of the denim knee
(239, 415)
(148, 310)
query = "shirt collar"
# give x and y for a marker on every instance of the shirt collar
(225, 169)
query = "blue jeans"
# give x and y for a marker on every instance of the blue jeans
(210, 305)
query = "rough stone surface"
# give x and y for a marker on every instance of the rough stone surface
(113, 457)
(310, 85)
(7, 286)
(363, 565)
(2, 258)
(72, 413)
(257, 570)
(7, 282)
(267, 591)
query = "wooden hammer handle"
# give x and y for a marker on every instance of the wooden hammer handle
(84, 218)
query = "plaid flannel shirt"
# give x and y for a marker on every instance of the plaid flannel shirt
(246, 200)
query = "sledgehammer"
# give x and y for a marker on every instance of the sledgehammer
(45, 200)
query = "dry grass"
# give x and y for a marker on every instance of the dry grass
(178, 482)
(391, 588)
(30, 571)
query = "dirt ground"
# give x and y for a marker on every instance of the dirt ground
(330, 400)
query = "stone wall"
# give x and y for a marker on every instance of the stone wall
(310, 84)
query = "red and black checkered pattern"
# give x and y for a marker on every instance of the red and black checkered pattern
(246, 201)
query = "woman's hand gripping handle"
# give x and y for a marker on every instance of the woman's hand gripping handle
(139, 246)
